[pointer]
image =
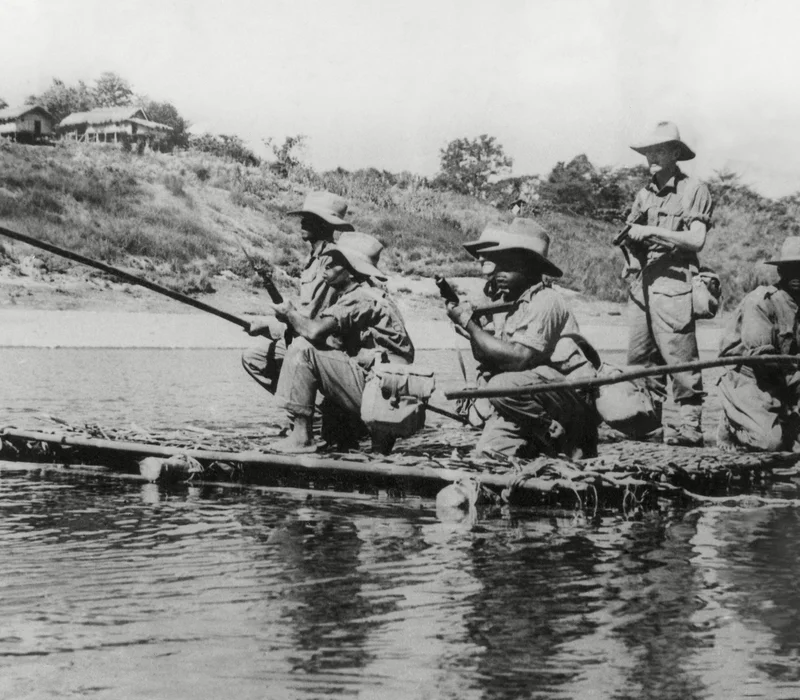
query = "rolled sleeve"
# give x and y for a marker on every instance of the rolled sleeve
(347, 313)
(698, 205)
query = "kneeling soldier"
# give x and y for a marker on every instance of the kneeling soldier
(363, 322)
(761, 403)
(534, 346)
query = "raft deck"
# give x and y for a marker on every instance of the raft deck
(627, 477)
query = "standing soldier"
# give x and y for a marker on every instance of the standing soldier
(668, 224)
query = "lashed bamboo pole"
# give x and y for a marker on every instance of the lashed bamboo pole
(530, 389)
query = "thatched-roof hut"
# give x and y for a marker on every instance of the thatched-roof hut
(110, 125)
(28, 124)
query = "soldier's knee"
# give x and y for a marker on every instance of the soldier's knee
(300, 351)
(767, 440)
(250, 358)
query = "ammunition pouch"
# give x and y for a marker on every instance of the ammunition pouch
(706, 293)
(394, 399)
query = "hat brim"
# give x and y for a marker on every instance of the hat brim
(547, 267)
(325, 216)
(474, 247)
(788, 261)
(686, 153)
(356, 262)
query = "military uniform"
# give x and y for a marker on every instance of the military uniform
(369, 329)
(662, 329)
(263, 362)
(760, 404)
(560, 421)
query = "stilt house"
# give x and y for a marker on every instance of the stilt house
(27, 124)
(111, 125)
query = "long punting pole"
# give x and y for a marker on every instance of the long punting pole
(161, 290)
(133, 279)
(484, 392)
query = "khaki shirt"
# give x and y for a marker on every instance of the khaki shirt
(539, 321)
(766, 322)
(315, 294)
(367, 320)
(682, 201)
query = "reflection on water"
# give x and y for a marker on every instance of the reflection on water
(116, 589)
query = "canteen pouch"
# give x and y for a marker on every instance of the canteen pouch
(706, 293)
(393, 402)
(626, 406)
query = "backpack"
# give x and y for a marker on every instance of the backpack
(626, 406)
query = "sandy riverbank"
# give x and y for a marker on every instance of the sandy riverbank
(115, 329)
(74, 312)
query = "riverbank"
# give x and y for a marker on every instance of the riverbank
(83, 312)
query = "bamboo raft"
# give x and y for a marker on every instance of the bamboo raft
(627, 477)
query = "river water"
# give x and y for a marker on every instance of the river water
(112, 588)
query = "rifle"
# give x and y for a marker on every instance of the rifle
(265, 273)
(447, 292)
(450, 296)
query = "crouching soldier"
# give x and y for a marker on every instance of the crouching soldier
(761, 403)
(320, 216)
(363, 322)
(535, 345)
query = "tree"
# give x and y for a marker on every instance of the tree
(288, 155)
(61, 100)
(166, 113)
(572, 186)
(3, 103)
(110, 90)
(469, 165)
(225, 146)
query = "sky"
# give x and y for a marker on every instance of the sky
(387, 84)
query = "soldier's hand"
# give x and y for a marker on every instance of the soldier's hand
(261, 326)
(282, 310)
(460, 314)
(638, 233)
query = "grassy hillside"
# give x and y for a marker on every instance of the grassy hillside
(180, 219)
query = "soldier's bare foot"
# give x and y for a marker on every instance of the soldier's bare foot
(725, 442)
(292, 445)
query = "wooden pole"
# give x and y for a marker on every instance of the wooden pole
(133, 279)
(531, 389)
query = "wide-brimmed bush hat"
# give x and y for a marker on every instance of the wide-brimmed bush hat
(664, 133)
(328, 206)
(361, 252)
(790, 252)
(487, 238)
(527, 237)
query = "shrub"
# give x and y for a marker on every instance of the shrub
(174, 183)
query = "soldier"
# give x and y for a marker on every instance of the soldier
(668, 224)
(761, 403)
(533, 346)
(364, 323)
(321, 215)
